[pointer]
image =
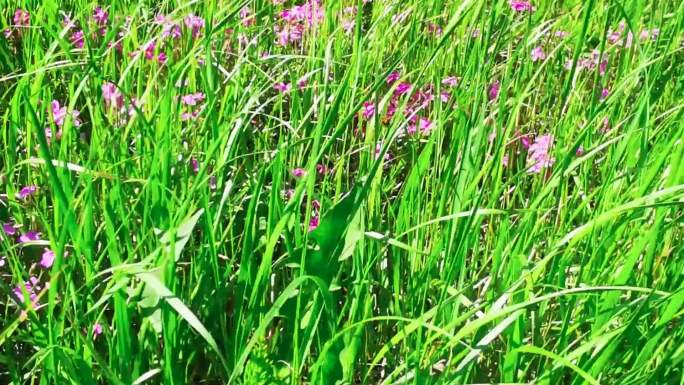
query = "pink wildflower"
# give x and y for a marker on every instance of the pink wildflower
(538, 54)
(97, 330)
(193, 99)
(378, 150)
(161, 58)
(47, 259)
(298, 172)
(538, 157)
(613, 36)
(29, 236)
(77, 39)
(391, 109)
(451, 81)
(402, 88)
(21, 18)
(434, 29)
(31, 287)
(520, 5)
(195, 24)
(26, 192)
(580, 151)
(605, 126)
(393, 77)
(425, 125)
(67, 22)
(444, 96)
(288, 194)
(100, 16)
(314, 222)
(134, 107)
(525, 142)
(321, 169)
(604, 93)
(112, 96)
(282, 87)
(246, 17)
(59, 114)
(368, 109)
(301, 83)
(185, 116)
(494, 90)
(9, 229)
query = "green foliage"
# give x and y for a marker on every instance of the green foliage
(346, 198)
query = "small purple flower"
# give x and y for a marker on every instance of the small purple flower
(112, 96)
(194, 164)
(451, 81)
(246, 16)
(538, 156)
(21, 18)
(298, 172)
(29, 236)
(47, 259)
(26, 192)
(604, 94)
(100, 16)
(161, 58)
(78, 39)
(32, 288)
(19, 293)
(494, 90)
(314, 222)
(425, 125)
(301, 83)
(444, 96)
(580, 151)
(393, 77)
(520, 5)
(195, 24)
(193, 99)
(288, 194)
(525, 142)
(149, 50)
(282, 87)
(368, 109)
(59, 114)
(538, 54)
(97, 330)
(9, 229)
(378, 150)
(402, 88)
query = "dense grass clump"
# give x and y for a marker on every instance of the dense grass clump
(342, 192)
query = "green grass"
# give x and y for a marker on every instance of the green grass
(438, 259)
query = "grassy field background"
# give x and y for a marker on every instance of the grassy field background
(341, 192)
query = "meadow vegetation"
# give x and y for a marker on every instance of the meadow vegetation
(341, 192)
